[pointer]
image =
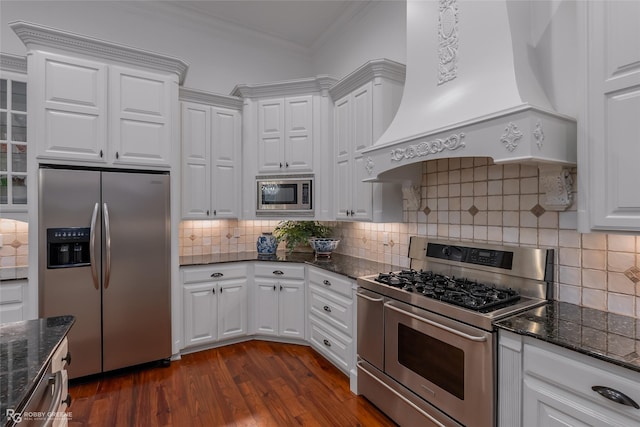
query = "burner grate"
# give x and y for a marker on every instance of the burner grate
(462, 292)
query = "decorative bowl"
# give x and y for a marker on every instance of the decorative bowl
(323, 246)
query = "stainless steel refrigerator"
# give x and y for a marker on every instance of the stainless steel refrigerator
(104, 257)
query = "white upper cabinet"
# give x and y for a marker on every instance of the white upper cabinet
(211, 138)
(609, 150)
(365, 103)
(285, 142)
(96, 102)
(285, 131)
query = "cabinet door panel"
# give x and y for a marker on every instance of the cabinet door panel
(265, 311)
(362, 118)
(270, 135)
(196, 170)
(343, 186)
(362, 192)
(225, 155)
(199, 314)
(232, 308)
(141, 117)
(299, 134)
(292, 309)
(613, 129)
(73, 110)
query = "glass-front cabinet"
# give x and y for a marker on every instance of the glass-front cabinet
(13, 142)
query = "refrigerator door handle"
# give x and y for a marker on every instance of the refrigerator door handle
(92, 249)
(107, 232)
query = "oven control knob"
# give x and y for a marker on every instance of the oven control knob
(446, 251)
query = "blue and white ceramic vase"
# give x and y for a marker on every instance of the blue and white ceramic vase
(267, 244)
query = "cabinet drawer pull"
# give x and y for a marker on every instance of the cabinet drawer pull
(327, 343)
(67, 400)
(278, 272)
(326, 282)
(615, 395)
(217, 275)
(67, 358)
(327, 308)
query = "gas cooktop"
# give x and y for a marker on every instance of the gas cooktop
(463, 292)
(473, 283)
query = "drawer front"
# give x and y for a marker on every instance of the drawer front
(279, 271)
(213, 273)
(330, 344)
(333, 309)
(578, 373)
(330, 282)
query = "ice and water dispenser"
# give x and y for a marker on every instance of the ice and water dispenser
(68, 247)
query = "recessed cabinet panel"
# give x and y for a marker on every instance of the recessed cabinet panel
(225, 131)
(232, 308)
(362, 118)
(200, 314)
(197, 196)
(142, 96)
(195, 129)
(623, 39)
(74, 83)
(342, 126)
(72, 132)
(623, 194)
(299, 142)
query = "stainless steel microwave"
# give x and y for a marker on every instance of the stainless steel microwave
(285, 195)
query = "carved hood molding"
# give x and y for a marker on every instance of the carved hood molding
(471, 90)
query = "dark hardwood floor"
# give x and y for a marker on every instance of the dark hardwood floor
(255, 383)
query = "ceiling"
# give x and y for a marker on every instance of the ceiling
(302, 22)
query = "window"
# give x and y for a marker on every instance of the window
(13, 142)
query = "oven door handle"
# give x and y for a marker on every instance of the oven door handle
(369, 298)
(436, 324)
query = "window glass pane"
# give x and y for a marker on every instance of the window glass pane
(3, 126)
(3, 93)
(19, 127)
(3, 157)
(19, 158)
(3, 189)
(19, 190)
(18, 96)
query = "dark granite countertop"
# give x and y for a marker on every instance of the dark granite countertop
(25, 349)
(342, 264)
(607, 336)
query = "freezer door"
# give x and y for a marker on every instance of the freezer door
(67, 198)
(136, 262)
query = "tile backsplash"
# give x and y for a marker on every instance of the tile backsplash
(15, 243)
(475, 200)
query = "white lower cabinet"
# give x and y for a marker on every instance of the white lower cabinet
(278, 303)
(331, 317)
(214, 303)
(558, 387)
(12, 304)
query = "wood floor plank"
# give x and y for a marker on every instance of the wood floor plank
(249, 384)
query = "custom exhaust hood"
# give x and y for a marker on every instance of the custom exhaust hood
(472, 90)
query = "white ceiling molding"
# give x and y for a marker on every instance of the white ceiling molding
(13, 63)
(37, 37)
(285, 88)
(203, 97)
(370, 70)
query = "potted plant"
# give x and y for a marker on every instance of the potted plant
(298, 233)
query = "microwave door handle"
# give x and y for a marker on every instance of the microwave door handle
(107, 232)
(92, 247)
(437, 325)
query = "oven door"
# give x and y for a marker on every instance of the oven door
(448, 363)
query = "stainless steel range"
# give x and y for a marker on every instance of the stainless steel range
(426, 341)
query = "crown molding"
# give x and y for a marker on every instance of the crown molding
(14, 63)
(39, 37)
(209, 98)
(319, 84)
(377, 68)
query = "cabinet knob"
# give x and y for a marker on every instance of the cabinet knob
(207, 212)
(327, 308)
(352, 212)
(280, 287)
(615, 395)
(327, 343)
(101, 154)
(215, 212)
(117, 155)
(280, 165)
(274, 287)
(67, 358)
(286, 165)
(213, 290)
(67, 400)
(326, 282)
